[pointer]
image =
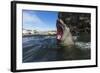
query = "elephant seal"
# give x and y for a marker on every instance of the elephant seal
(64, 36)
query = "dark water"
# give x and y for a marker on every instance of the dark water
(44, 48)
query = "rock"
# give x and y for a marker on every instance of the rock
(77, 22)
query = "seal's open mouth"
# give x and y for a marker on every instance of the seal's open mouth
(59, 31)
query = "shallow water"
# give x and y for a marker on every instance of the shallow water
(44, 48)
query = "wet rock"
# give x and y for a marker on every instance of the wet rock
(77, 22)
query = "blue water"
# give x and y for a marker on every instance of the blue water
(44, 48)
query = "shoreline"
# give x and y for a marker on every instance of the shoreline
(30, 35)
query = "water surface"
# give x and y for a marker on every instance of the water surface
(44, 48)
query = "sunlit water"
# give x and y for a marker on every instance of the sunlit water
(44, 48)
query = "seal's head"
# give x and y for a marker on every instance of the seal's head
(64, 37)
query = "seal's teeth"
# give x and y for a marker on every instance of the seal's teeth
(58, 37)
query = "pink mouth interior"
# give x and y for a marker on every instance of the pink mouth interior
(59, 32)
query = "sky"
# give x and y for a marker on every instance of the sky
(39, 20)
